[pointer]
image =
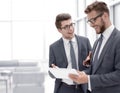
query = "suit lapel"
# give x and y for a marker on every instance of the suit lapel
(62, 49)
(105, 48)
(79, 49)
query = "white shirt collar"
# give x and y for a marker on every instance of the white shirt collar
(106, 34)
(66, 41)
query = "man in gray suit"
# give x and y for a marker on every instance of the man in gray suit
(59, 53)
(103, 76)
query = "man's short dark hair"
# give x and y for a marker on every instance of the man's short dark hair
(97, 6)
(61, 17)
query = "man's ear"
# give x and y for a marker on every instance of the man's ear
(59, 30)
(105, 15)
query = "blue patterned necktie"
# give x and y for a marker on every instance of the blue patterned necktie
(98, 48)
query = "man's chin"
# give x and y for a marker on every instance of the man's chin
(98, 32)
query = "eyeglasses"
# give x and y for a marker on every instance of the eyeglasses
(93, 20)
(67, 27)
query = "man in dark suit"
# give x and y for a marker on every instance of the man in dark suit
(103, 76)
(59, 54)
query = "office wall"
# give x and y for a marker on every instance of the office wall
(116, 14)
(27, 27)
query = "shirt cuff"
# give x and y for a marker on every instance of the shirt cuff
(89, 84)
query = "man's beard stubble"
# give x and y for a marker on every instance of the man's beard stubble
(102, 29)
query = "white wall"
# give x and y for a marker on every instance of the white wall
(27, 27)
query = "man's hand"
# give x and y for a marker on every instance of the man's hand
(54, 66)
(86, 62)
(81, 78)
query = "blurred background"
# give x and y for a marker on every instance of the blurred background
(27, 28)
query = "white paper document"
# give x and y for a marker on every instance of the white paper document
(62, 73)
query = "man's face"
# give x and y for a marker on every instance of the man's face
(96, 21)
(67, 29)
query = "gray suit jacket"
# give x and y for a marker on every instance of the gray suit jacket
(105, 74)
(58, 57)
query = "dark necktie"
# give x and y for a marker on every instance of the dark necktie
(72, 54)
(98, 48)
(73, 59)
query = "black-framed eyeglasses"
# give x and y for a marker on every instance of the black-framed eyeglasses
(93, 20)
(67, 27)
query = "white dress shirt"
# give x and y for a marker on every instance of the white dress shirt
(67, 51)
